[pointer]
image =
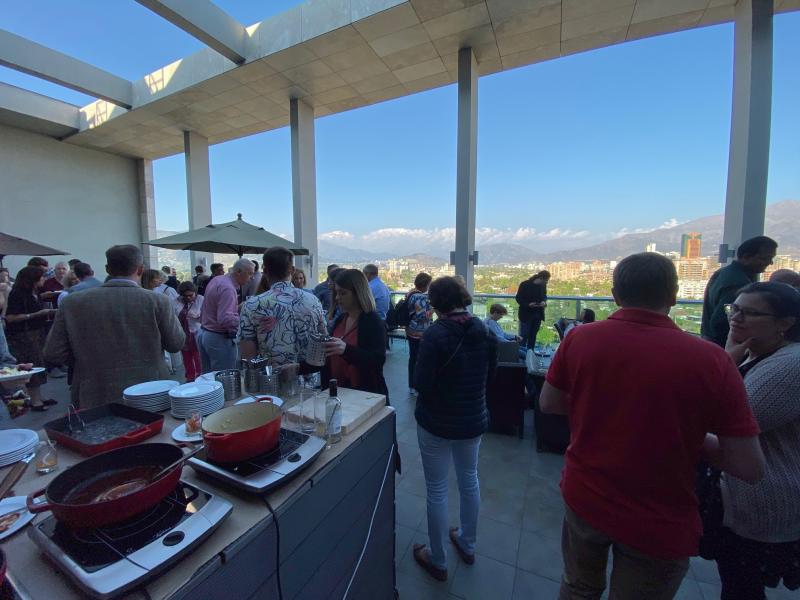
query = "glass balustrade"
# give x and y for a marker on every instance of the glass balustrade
(686, 314)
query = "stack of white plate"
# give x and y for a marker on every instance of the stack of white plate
(16, 444)
(204, 397)
(150, 395)
(206, 377)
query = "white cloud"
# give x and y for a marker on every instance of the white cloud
(668, 224)
(490, 235)
(337, 236)
(399, 233)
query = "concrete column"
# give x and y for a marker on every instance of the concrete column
(467, 155)
(748, 159)
(147, 211)
(198, 190)
(304, 186)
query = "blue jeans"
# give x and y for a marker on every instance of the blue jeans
(436, 453)
(217, 351)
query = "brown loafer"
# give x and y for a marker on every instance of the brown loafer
(467, 558)
(423, 558)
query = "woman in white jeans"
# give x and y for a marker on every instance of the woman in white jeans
(457, 356)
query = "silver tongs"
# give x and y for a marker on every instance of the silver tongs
(80, 425)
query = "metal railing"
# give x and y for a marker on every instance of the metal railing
(686, 313)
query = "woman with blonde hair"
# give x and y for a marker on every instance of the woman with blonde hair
(357, 352)
(151, 279)
(299, 279)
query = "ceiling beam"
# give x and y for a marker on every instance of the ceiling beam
(27, 110)
(29, 57)
(205, 21)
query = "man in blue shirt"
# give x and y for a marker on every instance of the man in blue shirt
(85, 273)
(379, 290)
(497, 312)
(323, 289)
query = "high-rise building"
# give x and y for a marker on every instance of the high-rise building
(651, 247)
(691, 244)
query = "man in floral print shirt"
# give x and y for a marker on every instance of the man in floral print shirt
(277, 323)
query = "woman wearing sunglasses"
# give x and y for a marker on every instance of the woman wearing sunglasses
(759, 542)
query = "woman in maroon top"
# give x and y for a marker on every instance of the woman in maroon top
(26, 328)
(357, 352)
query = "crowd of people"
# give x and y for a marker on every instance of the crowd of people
(679, 444)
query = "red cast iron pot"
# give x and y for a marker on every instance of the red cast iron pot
(242, 431)
(67, 495)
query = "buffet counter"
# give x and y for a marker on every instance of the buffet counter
(323, 514)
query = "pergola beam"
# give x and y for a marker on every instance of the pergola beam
(53, 116)
(24, 55)
(205, 21)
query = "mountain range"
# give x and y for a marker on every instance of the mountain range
(782, 223)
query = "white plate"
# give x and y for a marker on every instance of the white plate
(206, 377)
(275, 400)
(21, 375)
(150, 388)
(194, 390)
(14, 440)
(201, 398)
(180, 412)
(13, 504)
(6, 461)
(179, 434)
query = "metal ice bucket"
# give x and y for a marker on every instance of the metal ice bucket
(253, 368)
(315, 351)
(231, 380)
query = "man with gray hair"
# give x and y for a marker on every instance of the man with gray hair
(379, 290)
(219, 317)
(114, 335)
(55, 284)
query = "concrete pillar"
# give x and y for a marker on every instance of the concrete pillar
(467, 154)
(748, 159)
(147, 211)
(198, 190)
(304, 186)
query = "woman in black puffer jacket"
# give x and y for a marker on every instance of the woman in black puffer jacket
(457, 356)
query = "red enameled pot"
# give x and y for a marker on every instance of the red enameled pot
(242, 431)
(71, 496)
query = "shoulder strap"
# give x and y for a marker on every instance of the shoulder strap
(453, 355)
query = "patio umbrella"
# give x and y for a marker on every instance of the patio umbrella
(16, 246)
(237, 237)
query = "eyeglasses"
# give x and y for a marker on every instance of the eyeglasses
(733, 310)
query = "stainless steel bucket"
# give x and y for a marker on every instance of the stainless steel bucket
(231, 380)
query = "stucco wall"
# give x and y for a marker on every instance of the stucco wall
(78, 200)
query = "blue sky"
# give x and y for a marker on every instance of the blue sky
(570, 151)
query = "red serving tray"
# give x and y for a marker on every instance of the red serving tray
(151, 424)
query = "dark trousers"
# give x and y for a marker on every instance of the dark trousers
(528, 330)
(745, 566)
(413, 351)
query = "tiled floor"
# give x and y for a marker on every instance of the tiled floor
(518, 548)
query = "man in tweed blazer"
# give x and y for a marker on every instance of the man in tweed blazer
(114, 335)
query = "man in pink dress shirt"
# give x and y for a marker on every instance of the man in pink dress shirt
(219, 318)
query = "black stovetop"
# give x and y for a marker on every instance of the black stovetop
(94, 549)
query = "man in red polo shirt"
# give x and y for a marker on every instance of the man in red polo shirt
(646, 401)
